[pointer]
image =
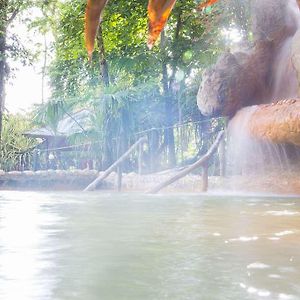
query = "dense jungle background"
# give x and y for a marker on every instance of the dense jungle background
(127, 89)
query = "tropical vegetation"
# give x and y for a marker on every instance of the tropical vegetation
(126, 87)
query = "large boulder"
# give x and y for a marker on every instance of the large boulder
(245, 78)
(235, 81)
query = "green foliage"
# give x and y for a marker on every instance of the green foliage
(10, 11)
(13, 143)
(136, 98)
(145, 87)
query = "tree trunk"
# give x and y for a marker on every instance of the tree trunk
(168, 97)
(2, 80)
(169, 133)
(2, 59)
(107, 155)
(44, 68)
(103, 63)
(168, 84)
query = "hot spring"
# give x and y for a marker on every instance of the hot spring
(109, 246)
(112, 246)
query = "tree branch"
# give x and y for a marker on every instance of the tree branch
(13, 15)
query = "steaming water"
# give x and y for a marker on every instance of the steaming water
(104, 246)
(247, 155)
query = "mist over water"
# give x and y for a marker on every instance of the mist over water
(112, 246)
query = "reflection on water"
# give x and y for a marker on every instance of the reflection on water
(105, 246)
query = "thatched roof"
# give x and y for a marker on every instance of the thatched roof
(72, 124)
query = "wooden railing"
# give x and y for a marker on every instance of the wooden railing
(115, 165)
(202, 162)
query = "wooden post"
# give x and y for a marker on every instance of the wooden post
(191, 168)
(35, 159)
(205, 177)
(27, 161)
(119, 178)
(150, 149)
(47, 154)
(97, 181)
(140, 159)
(21, 162)
(222, 158)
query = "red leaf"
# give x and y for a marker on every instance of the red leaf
(158, 12)
(207, 3)
(93, 12)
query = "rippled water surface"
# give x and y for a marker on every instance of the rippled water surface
(104, 246)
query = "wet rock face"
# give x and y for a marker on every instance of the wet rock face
(217, 94)
(235, 81)
(244, 78)
(278, 123)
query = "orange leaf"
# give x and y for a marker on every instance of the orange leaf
(158, 12)
(93, 12)
(207, 3)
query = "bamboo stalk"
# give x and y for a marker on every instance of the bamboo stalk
(191, 168)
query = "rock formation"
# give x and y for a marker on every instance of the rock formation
(242, 85)
(235, 81)
(247, 78)
(277, 122)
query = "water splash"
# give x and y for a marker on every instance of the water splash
(247, 154)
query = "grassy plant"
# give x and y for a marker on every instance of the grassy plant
(14, 144)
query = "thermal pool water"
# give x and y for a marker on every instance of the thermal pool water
(90, 246)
